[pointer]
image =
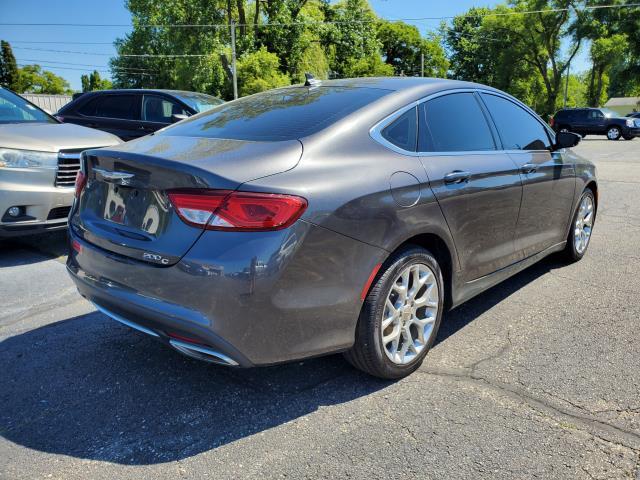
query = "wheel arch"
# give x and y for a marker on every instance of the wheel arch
(444, 255)
(593, 186)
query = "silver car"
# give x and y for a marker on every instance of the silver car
(39, 161)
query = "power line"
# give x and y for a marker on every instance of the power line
(83, 64)
(327, 22)
(151, 55)
(87, 69)
(59, 43)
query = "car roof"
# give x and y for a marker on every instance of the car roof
(402, 83)
(147, 90)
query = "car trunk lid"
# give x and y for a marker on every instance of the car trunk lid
(125, 209)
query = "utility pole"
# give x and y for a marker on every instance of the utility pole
(422, 64)
(566, 85)
(233, 59)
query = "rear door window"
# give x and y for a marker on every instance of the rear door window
(402, 132)
(518, 129)
(453, 123)
(159, 109)
(124, 107)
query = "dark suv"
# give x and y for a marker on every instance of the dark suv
(595, 121)
(131, 114)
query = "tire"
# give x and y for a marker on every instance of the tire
(369, 353)
(628, 137)
(614, 133)
(572, 252)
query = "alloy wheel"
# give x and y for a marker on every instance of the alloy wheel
(584, 224)
(613, 133)
(410, 313)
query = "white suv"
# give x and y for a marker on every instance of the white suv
(39, 160)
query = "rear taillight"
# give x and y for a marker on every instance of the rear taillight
(551, 122)
(81, 181)
(227, 210)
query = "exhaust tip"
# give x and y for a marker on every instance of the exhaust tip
(202, 353)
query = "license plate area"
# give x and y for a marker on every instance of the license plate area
(135, 208)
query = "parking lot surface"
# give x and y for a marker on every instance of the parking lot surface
(538, 377)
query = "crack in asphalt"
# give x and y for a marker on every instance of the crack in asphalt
(594, 427)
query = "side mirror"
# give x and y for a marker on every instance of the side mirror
(176, 117)
(566, 140)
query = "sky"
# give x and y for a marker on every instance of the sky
(96, 45)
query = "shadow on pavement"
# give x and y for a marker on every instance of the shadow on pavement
(89, 388)
(32, 249)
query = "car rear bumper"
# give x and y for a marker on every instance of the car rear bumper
(253, 298)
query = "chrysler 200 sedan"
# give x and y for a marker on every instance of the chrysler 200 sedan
(345, 216)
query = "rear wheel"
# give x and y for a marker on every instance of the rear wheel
(614, 133)
(400, 317)
(628, 137)
(581, 227)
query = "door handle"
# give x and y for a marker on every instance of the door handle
(528, 168)
(457, 176)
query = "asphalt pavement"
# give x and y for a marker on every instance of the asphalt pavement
(537, 378)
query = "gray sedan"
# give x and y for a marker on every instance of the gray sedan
(345, 216)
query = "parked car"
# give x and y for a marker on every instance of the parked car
(345, 216)
(39, 160)
(132, 114)
(595, 121)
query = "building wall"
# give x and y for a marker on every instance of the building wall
(50, 103)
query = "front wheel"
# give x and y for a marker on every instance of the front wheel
(581, 227)
(628, 137)
(400, 316)
(614, 133)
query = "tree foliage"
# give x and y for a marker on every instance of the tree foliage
(33, 79)
(93, 82)
(8, 66)
(327, 39)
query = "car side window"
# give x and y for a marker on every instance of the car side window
(453, 123)
(518, 129)
(403, 131)
(159, 109)
(123, 107)
(596, 115)
(89, 108)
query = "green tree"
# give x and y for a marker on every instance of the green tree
(94, 82)
(259, 71)
(32, 79)
(351, 40)
(8, 66)
(605, 52)
(535, 62)
(403, 47)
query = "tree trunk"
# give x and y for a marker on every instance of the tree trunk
(242, 18)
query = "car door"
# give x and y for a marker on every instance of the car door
(157, 112)
(548, 177)
(118, 114)
(477, 186)
(579, 121)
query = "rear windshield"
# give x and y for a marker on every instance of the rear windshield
(284, 114)
(200, 102)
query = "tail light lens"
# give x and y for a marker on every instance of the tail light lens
(227, 210)
(551, 120)
(81, 181)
